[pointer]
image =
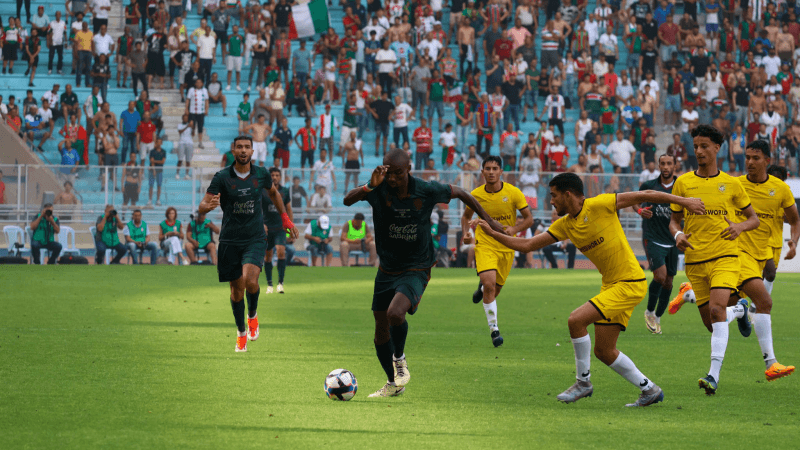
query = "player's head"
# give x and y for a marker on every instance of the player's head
(778, 171)
(399, 165)
(243, 149)
(565, 189)
(492, 169)
(666, 164)
(358, 219)
(707, 140)
(757, 159)
(275, 174)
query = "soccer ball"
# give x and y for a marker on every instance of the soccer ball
(689, 297)
(695, 91)
(341, 385)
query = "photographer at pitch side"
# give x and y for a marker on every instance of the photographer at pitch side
(45, 227)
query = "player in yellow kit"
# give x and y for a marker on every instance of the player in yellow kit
(776, 238)
(593, 226)
(493, 261)
(771, 198)
(708, 241)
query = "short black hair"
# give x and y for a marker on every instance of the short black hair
(274, 170)
(778, 171)
(137, 211)
(761, 145)
(567, 182)
(710, 132)
(242, 138)
(358, 216)
(494, 159)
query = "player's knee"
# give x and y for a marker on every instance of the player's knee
(396, 317)
(667, 283)
(763, 305)
(605, 355)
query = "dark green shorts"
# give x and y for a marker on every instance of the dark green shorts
(231, 258)
(657, 256)
(411, 283)
(275, 238)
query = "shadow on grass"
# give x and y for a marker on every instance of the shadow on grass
(331, 430)
(230, 325)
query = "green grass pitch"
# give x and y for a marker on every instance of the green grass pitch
(142, 357)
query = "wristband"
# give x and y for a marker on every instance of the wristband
(368, 188)
(639, 211)
(286, 221)
(676, 235)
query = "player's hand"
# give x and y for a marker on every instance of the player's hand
(694, 206)
(293, 232)
(646, 213)
(470, 239)
(682, 242)
(732, 232)
(214, 202)
(377, 176)
(496, 226)
(792, 250)
(474, 223)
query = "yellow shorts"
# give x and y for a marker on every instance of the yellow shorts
(720, 273)
(776, 255)
(489, 259)
(750, 269)
(616, 302)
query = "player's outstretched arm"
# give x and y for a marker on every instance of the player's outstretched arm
(474, 205)
(466, 230)
(526, 222)
(286, 221)
(676, 229)
(360, 193)
(523, 245)
(792, 218)
(628, 199)
(735, 229)
(209, 203)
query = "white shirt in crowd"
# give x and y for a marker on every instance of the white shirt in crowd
(401, 115)
(323, 171)
(386, 55)
(58, 27)
(103, 43)
(326, 125)
(772, 65)
(447, 139)
(646, 175)
(620, 152)
(205, 47)
(197, 100)
(97, 8)
(185, 132)
(685, 114)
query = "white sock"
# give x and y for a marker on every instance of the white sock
(241, 333)
(763, 325)
(391, 383)
(400, 358)
(658, 319)
(491, 314)
(734, 312)
(625, 367)
(768, 285)
(583, 357)
(719, 342)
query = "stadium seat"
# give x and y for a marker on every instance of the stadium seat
(67, 239)
(15, 236)
(359, 254)
(43, 252)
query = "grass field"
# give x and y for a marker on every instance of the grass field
(147, 361)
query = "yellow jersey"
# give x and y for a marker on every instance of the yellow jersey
(597, 233)
(502, 206)
(769, 199)
(722, 195)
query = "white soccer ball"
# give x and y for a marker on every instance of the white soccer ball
(695, 90)
(341, 385)
(689, 297)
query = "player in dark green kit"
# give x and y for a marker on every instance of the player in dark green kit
(401, 209)
(662, 254)
(276, 236)
(242, 240)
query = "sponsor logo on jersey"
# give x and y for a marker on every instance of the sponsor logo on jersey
(722, 187)
(404, 232)
(772, 192)
(592, 244)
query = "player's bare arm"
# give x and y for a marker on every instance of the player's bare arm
(473, 204)
(793, 219)
(466, 230)
(360, 193)
(646, 213)
(209, 203)
(526, 222)
(277, 200)
(522, 245)
(676, 229)
(735, 229)
(628, 199)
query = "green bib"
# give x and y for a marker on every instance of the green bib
(138, 234)
(44, 233)
(200, 233)
(356, 234)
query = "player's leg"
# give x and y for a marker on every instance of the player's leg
(762, 322)
(382, 300)
(770, 270)
(252, 290)
(654, 290)
(671, 267)
(578, 322)
(281, 251)
(718, 314)
(268, 260)
(490, 291)
(237, 304)
(605, 349)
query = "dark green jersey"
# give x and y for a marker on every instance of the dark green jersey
(656, 228)
(240, 199)
(272, 218)
(403, 226)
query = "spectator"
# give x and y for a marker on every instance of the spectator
(100, 10)
(381, 110)
(386, 59)
(215, 94)
(206, 53)
(400, 116)
(283, 141)
(277, 100)
(322, 173)
(128, 123)
(308, 134)
(509, 141)
(185, 60)
(423, 137)
(356, 236)
(107, 238)
(621, 153)
(259, 48)
(197, 100)
(32, 55)
(302, 63)
(145, 137)
(10, 45)
(260, 132)
(420, 76)
(298, 194)
(234, 60)
(45, 227)
(200, 236)
(650, 173)
(101, 73)
(2, 189)
(220, 19)
(36, 128)
(318, 239)
(137, 61)
(137, 239)
(320, 202)
(157, 159)
(69, 159)
(83, 44)
(185, 146)
(156, 43)
(170, 234)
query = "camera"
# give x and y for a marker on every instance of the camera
(112, 213)
(48, 213)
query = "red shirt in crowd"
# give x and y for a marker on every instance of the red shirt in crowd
(308, 135)
(669, 31)
(350, 22)
(424, 139)
(147, 132)
(503, 48)
(283, 49)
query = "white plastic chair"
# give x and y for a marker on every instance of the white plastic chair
(93, 230)
(43, 252)
(15, 235)
(67, 239)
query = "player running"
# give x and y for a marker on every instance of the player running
(242, 241)
(776, 237)
(401, 207)
(662, 255)
(492, 260)
(276, 235)
(593, 226)
(712, 256)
